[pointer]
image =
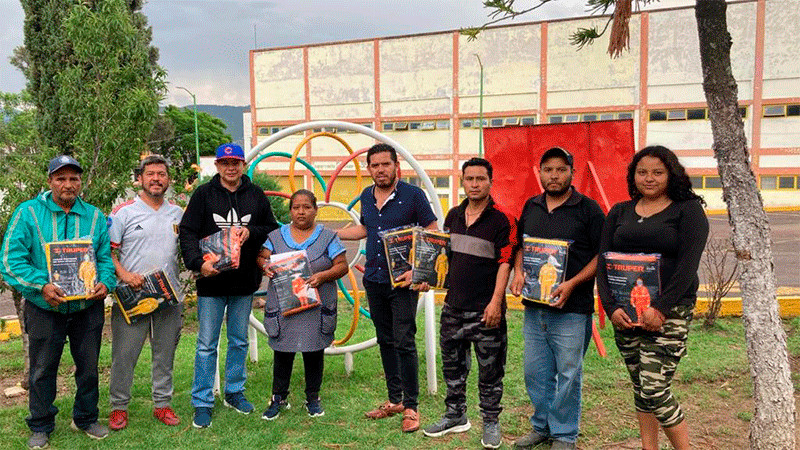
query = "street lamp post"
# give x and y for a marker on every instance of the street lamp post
(480, 109)
(196, 134)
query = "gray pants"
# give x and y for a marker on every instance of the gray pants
(164, 330)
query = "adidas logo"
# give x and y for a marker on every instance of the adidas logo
(231, 220)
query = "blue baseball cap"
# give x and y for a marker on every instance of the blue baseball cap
(233, 151)
(63, 161)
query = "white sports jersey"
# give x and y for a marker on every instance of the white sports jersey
(147, 239)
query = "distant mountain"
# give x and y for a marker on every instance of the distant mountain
(231, 115)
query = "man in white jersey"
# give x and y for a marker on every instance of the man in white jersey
(144, 238)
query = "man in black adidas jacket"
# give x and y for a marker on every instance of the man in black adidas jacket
(229, 200)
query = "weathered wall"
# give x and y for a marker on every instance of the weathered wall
(278, 85)
(341, 80)
(416, 75)
(588, 77)
(511, 61)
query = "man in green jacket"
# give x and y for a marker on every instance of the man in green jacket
(50, 319)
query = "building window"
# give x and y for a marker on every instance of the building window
(712, 182)
(511, 121)
(497, 122)
(606, 116)
(589, 117)
(467, 123)
(572, 118)
(426, 126)
(697, 182)
(781, 110)
(400, 126)
(775, 111)
(696, 114)
(625, 115)
(388, 126)
(556, 119)
(442, 124)
(415, 125)
(441, 182)
(658, 116)
(787, 182)
(528, 121)
(676, 114)
(412, 180)
(263, 131)
(769, 183)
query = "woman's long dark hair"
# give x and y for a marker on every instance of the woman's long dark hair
(679, 186)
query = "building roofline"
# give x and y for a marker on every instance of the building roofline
(491, 27)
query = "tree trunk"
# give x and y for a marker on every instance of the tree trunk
(19, 305)
(773, 424)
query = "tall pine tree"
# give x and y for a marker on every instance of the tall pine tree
(95, 82)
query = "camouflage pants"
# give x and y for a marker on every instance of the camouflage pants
(459, 331)
(651, 359)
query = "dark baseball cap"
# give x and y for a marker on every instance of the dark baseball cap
(557, 152)
(63, 161)
(230, 151)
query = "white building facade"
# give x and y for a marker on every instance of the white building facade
(424, 91)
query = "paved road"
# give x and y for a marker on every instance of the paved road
(785, 228)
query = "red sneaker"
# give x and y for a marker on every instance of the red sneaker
(166, 415)
(118, 419)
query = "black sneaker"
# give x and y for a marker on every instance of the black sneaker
(277, 405)
(237, 401)
(39, 439)
(492, 436)
(202, 417)
(530, 440)
(447, 425)
(94, 431)
(314, 408)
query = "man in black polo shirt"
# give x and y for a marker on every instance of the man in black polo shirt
(557, 335)
(387, 204)
(483, 238)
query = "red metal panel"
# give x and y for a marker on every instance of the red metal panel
(515, 151)
(611, 150)
(508, 149)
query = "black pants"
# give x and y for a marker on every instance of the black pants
(394, 313)
(460, 330)
(48, 331)
(314, 363)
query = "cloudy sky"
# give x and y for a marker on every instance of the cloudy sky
(204, 44)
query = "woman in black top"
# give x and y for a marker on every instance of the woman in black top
(664, 216)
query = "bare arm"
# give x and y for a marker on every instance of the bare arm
(353, 233)
(519, 275)
(493, 313)
(338, 270)
(133, 280)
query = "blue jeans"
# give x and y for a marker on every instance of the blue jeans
(210, 311)
(555, 343)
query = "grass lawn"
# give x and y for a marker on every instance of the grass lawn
(712, 383)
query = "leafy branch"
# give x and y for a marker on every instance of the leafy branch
(502, 10)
